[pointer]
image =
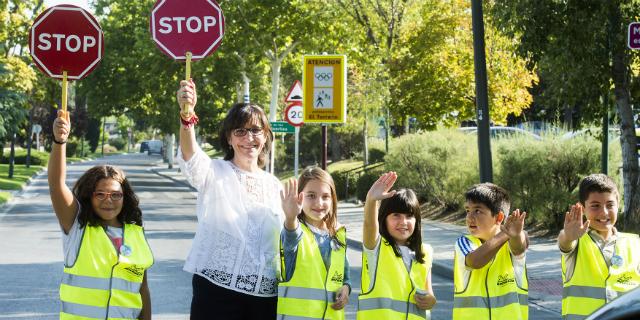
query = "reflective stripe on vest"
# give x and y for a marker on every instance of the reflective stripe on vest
(102, 283)
(494, 302)
(393, 293)
(586, 291)
(305, 293)
(311, 289)
(99, 312)
(491, 292)
(387, 303)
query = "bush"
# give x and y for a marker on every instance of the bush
(37, 158)
(341, 178)
(366, 180)
(72, 146)
(542, 176)
(118, 143)
(376, 155)
(439, 166)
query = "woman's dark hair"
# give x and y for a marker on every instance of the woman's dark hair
(86, 185)
(330, 220)
(405, 202)
(238, 116)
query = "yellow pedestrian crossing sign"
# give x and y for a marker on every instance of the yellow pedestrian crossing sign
(324, 88)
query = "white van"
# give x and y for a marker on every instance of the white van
(154, 146)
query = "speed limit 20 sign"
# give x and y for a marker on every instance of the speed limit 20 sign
(294, 114)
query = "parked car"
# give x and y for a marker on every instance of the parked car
(144, 146)
(614, 133)
(155, 146)
(625, 307)
(538, 127)
(503, 132)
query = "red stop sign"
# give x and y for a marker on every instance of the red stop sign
(66, 38)
(179, 26)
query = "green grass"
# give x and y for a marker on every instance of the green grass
(4, 197)
(344, 165)
(20, 176)
(341, 165)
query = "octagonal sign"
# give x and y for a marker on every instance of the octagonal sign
(178, 27)
(66, 38)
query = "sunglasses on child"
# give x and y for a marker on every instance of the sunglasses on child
(115, 196)
(241, 132)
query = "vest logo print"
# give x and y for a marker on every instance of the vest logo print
(138, 271)
(504, 279)
(626, 280)
(337, 277)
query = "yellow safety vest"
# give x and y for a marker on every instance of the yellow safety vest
(492, 291)
(311, 290)
(586, 290)
(393, 294)
(102, 283)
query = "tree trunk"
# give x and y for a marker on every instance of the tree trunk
(12, 155)
(631, 217)
(364, 137)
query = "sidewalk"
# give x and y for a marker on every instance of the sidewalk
(543, 256)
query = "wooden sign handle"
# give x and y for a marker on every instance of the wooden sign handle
(64, 92)
(187, 76)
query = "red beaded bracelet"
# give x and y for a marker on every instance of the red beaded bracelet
(191, 122)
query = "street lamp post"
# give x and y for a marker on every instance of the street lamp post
(482, 100)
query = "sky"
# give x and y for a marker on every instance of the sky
(80, 3)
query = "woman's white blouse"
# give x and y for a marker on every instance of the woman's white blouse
(239, 221)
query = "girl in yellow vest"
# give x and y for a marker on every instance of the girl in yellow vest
(106, 252)
(489, 271)
(315, 270)
(599, 263)
(396, 265)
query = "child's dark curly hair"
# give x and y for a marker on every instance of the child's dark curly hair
(86, 185)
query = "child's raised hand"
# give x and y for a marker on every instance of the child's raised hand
(342, 298)
(574, 228)
(425, 302)
(61, 127)
(291, 199)
(515, 224)
(380, 189)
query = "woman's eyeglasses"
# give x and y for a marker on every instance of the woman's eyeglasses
(241, 132)
(115, 196)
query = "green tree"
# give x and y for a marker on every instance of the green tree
(434, 69)
(581, 67)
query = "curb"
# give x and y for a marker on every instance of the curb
(14, 193)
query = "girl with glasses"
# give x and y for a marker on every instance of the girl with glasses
(106, 254)
(234, 258)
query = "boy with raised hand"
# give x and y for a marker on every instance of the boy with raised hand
(490, 277)
(598, 262)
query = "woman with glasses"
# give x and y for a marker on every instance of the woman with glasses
(234, 258)
(106, 254)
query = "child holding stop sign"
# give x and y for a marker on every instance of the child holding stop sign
(106, 254)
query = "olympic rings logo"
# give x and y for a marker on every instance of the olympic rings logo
(321, 76)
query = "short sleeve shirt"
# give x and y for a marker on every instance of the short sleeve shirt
(464, 247)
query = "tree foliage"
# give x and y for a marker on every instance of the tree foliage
(580, 49)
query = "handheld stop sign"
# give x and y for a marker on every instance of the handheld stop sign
(66, 42)
(187, 31)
